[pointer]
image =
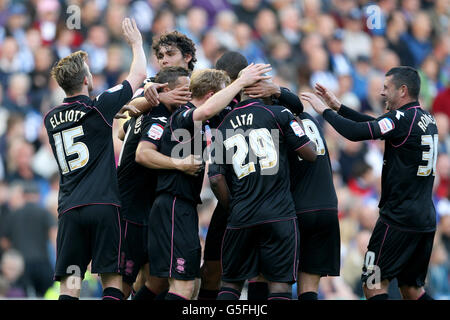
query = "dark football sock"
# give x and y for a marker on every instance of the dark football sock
(162, 295)
(257, 291)
(66, 297)
(227, 293)
(383, 296)
(280, 296)
(310, 295)
(207, 294)
(174, 296)
(144, 293)
(111, 293)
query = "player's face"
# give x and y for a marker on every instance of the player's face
(181, 82)
(390, 94)
(171, 56)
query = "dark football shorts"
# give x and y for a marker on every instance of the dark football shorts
(320, 242)
(214, 237)
(86, 233)
(134, 253)
(173, 244)
(270, 249)
(394, 253)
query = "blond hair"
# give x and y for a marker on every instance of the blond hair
(206, 80)
(70, 71)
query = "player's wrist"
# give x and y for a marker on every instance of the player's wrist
(276, 91)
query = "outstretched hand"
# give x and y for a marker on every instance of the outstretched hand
(314, 101)
(263, 89)
(132, 112)
(330, 99)
(151, 92)
(254, 73)
(131, 32)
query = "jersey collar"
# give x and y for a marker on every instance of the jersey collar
(245, 102)
(80, 97)
(409, 105)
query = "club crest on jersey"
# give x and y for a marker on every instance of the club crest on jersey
(297, 129)
(386, 125)
(156, 131)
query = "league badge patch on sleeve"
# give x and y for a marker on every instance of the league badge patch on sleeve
(156, 131)
(297, 129)
(386, 125)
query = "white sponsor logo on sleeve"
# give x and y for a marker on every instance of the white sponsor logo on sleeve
(386, 125)
(156, 131)
(297, 129)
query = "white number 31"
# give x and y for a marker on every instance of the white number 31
(429, 156)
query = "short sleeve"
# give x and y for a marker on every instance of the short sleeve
(153, 129)
(183, 119)
(109, 102)
(292, 131)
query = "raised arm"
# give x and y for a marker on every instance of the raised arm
(350, 129)
(138, 66)
(215, 104)
(333, 102)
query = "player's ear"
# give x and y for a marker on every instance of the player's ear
(209, 94)
(187, 57)
(403, 91)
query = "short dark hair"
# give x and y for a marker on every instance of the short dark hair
(181, 41)
(232, 63)
(407, 76)
(171, 75)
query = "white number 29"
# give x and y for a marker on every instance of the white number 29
(262, 146)
(65, 147)
(429, 156)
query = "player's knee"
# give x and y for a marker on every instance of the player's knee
(182, 287)
(372, 289)
(211, 273)
(275, 287)
(156, 284)
(69, 287)
(113, 280)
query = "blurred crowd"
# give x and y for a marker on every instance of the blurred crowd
(346, 45)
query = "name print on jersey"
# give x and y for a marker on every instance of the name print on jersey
(66, 116)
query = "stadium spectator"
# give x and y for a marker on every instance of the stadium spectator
(28, 229)
(12, 268)
(419, 41)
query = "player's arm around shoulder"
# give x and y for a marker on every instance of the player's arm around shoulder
(294, 134)
(147, 152)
